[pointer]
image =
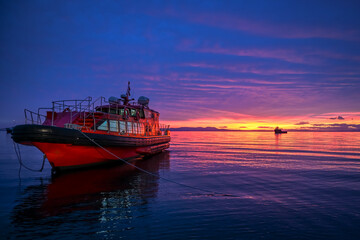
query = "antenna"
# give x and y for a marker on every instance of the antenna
(128, 90)
(126, 98)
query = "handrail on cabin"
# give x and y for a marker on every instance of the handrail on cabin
(77, 107)
(33, 117)
(89, 110)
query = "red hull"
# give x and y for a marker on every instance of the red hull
(62, 155)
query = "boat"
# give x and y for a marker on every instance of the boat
(80, 133)
(278, 130)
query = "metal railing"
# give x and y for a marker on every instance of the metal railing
(33, 117)
(86, 109)
(75, 107)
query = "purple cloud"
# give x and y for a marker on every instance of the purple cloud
(282, 29)
(289, 55)
(333, 127)
(301, 123)
(337, 118)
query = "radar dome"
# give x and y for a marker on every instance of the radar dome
(113, 99)
(143, 101)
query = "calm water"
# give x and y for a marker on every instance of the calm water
(293, 186)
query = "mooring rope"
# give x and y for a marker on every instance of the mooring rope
(156, 175)
(18, 154)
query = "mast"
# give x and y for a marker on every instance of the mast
(126, 98)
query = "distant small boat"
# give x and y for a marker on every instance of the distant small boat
(278, 130)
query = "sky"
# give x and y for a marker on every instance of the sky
(242, 65)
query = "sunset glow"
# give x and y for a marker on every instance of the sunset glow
(269, 123)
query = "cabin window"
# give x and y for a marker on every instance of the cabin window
(122, 127)
(147, 114)
(142, 113)
(129, 127)
(103, 126)
(136, 128)
(113, 111)
(113, 125)
(121, 112)
(141, 128)
(133, 112)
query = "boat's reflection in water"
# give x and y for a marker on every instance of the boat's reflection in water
(101, 195)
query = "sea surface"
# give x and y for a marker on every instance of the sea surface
(229, 185)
